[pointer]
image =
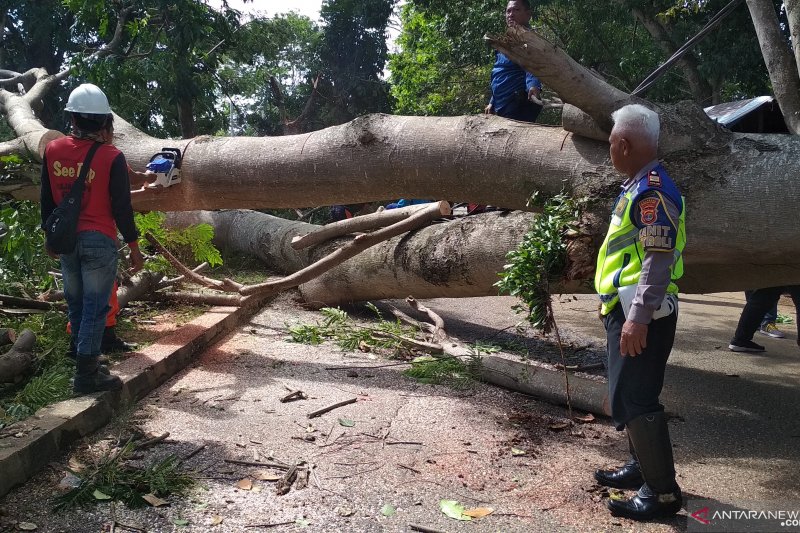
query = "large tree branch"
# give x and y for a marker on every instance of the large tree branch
(783, 72)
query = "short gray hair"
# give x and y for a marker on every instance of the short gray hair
(639, 118)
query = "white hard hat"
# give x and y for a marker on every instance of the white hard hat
(88, 98)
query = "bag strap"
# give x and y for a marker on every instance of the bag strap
(77, 187)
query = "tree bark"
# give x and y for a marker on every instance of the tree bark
(783, 72)
(17, 361)
(793, 17)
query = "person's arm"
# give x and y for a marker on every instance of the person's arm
(533, 85)
(46, 202)
(119, 187)
(139, 179)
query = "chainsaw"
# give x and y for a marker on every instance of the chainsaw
(166, 165)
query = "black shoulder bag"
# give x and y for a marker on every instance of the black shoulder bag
(61, 227)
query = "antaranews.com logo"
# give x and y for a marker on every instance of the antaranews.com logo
(711, 516)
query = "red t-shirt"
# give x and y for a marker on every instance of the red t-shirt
(106, 198)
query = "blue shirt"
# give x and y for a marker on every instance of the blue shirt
(508, 81)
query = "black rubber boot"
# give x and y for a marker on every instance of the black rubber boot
(113, 344)
(660, 496)
(627, 477)
(72, 353)
(89, 378)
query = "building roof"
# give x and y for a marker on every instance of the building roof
(730, 113)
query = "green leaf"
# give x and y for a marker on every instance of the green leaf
(303, 522)
(388, 510)
(346, 422)
(98, 495)
(453, 509)
(180, 522)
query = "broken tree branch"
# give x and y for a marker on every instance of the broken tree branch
(224, 300)
(26, 303)
(419, 219)
(413, 344)
(438, 334)
(210, 283)
(320, 412)
(363, 223)
(19, 359)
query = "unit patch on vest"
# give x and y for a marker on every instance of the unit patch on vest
(648, 208)
(654, 179)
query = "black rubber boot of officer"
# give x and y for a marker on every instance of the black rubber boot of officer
(660, 495)
(89, 378)
(113, 344)
(72, 353)
(628, 476)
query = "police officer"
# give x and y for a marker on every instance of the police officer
(637, 267)
(89, 271)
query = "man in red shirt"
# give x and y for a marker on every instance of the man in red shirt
(90, 269)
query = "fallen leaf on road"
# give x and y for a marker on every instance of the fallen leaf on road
(180, 522)
(453, 509)
(516, 452)
(388, 510)
(27, 526)
(245, 484)
(345, 511)
(556, 426)
(616, 495)
(479, 512)
(216, 520)
(302, 522)
(98, 495)
(154, 500)
(588, 417)
(346, 422)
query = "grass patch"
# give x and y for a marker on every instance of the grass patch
(450, 371)
(112, 478)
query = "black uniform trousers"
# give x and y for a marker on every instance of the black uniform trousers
(635, 383)
(758, 303)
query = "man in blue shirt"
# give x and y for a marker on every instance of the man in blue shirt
(515, 93)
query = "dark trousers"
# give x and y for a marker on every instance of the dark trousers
(759, 302)
(635, 383)
(521, 109)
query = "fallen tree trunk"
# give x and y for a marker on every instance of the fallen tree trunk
(17, 361)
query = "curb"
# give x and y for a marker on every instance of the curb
(40, 438)
(545, 383)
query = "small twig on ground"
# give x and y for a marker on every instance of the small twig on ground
(284, 485)
(324, 410)
(401, 465)
(293, 396)
(424, 529)
(115, 524)
(150, 442)
(404, 442)
(276, 524)
(257, 463)
(365, 367)
(414, 344)
(194, 452)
